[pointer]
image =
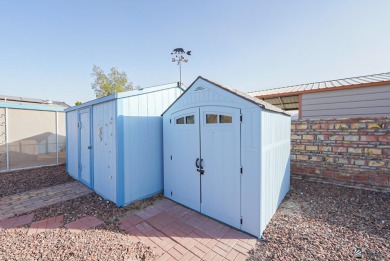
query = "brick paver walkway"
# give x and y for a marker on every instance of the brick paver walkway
(46, 224)
(16, 221)
(177, 233)
(83, 223)
(28, 201)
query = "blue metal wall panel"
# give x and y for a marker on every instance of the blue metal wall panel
(105, 149)
(72, 150)
(142, 139)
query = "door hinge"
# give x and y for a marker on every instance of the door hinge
(241, 220)
(170, 120)
(240, 117)
(171, 157)
(171, 193)
(78, 124)
(241, 170)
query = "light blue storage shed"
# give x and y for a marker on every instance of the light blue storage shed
(226, 155)
(115, 143)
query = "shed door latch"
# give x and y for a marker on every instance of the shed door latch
(241, 170)
(241, 220)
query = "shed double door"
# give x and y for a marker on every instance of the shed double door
(206, 161)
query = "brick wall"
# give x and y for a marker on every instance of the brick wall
(353, 151)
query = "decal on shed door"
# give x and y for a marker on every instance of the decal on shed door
(206, 161)
(85, 147)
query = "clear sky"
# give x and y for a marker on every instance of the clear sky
(48, 48)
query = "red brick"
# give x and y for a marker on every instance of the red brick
(368, 138)
(373, 151)
(374, 163)
(341, 126)
(302, 157)
(299, 147)
(232, 255)
(336, 137)
(351, 138)
(340, 149)
(175, 254)
(342, 176)
(209, 255)
(355, 150)
(308, 137)
(301, 126)
(329, 174)
(374, 126)
(358, 126)
(360, 178)
(325, 148)
(385, 138)
(296, 137)
(380, 180)
(322, 137)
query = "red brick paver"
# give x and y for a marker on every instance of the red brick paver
(16, 221)
(83, 223)
(31, 200)
(178, 233)
(46, 224)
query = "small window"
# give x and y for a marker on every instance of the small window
(180, 120)
(211, 118)
(190, 119)
(225, 119)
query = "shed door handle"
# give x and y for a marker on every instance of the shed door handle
(89, 147)
(200, 168)
(197, 163)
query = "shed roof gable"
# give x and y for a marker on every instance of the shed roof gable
(195, 87)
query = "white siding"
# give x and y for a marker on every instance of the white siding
(250, 180)
(275, 163)
(104, 149)
(142, 138)
(367, 101)
(72, 149)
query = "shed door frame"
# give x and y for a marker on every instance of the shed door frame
(87, 147)
(199, 113)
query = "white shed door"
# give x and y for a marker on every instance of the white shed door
(206, 161)
(185, 153)
(85, 147)
(220, 152)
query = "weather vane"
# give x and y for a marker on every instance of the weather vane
(179, 57)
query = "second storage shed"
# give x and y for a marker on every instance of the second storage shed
(226, 155)
(115, 143)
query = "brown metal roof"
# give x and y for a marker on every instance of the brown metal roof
(353, 82)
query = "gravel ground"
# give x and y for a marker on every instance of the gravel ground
(316, 221)
(16, 182)
(320, 221)
(60, 244)
(107, 242)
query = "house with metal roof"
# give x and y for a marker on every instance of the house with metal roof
(343, 98)
(32, 132)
